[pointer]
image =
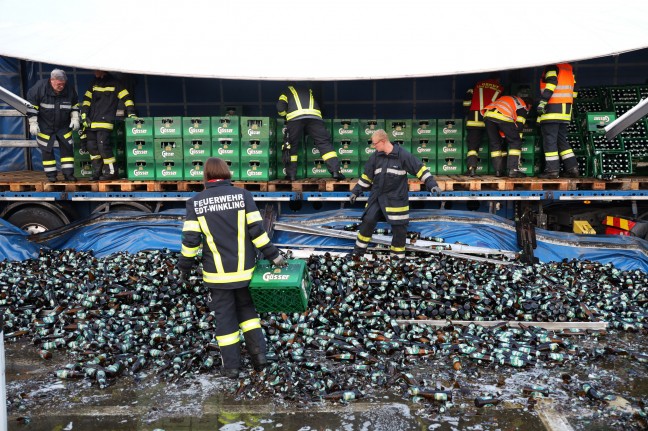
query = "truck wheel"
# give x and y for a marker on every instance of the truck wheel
(35, 220)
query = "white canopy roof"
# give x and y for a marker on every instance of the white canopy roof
(317, 40)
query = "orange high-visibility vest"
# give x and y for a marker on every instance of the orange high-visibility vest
(507, 107)
(564, 91)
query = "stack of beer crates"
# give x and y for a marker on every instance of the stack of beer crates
(635, 138)
(450, 147)
(258, 148)
(82, 165)
(169, 148)
(139, 149)
(346, 143)
(196, 143)
(226, 142)
(367, 127)
(424, 142)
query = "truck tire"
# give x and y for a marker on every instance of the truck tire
(35, 220)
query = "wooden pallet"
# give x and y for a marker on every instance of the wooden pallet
(347, 185)
(302, 185)
(253, 186)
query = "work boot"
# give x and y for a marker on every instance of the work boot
(70, 177)
(516, 174)
(230, 373)
(339, 176)
(571, 173)
(259, 361)
(471, 171)
(97, 166)
(548, 175)
(291, 171)
(51, 177)
(105, 177)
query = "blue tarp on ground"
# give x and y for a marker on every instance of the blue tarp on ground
(14, 244)
(133, 231)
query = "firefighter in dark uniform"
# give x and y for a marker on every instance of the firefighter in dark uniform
(385, 174)
(226, 221)
(98, 113)
(483, 93)
(554, 115)
(58, 115)
(303, 114)
(506, 116)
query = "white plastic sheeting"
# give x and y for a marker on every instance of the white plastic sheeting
(327, 40)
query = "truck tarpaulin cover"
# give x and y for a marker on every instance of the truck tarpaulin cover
(331, 40)
(133, 232)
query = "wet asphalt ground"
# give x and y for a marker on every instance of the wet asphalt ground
(38, 400)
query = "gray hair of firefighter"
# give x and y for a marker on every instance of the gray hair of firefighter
(381, 135)
(216, 169)
(58, 74)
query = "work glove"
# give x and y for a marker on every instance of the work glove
(75, 124)
(353, 198)
(541, 107)
(436, 191)
(279, 261)
(33, 125)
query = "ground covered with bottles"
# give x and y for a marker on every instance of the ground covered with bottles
(119, 343)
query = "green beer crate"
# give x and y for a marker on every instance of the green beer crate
(366, 149)
(423, 147)
(140, 148)
(168, 149)
(449, 129)
(599, 143)
(232, 110)
(225, 127)
(351, 168)
(258, 169)
(234, 165)
(169, 170)
(347, 149)
(226, 148)
(399, 130)
(82, 168)
(529, 145)
(280, 289)
(367, 127)
(449, 147)
(258, 149)
(317, 169)
(576, 142)
(528, 165)
(585, 163)
(447, 165)
(483, 165)
(424, 129)
(301, 170)
(431, 164)
(167, 127)
(346, 130)
(196, 147)
(140, 170)
(407, 145)
(612, 163)
(138, 128)
(194, 168)
(258, 128)
(596, 121)
(196, 128)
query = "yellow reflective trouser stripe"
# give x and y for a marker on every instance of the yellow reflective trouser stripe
(421, 171)
(229, 339)
(248, 325)
(294, 158)
(396, 209)
(563, 153)
(363, 238)
(94, 125)
(218, 262)
(96, 157)
(392, 248)
(43, 135)
(86, 103)
(366, 178)
(110, 160)
(496, 154)
(329, 155)
(284, 98)
(68, 135)
(472, 153)
(240, 239)
(88, 94)
(253, 216)
(49, 162)
(122, 93)
(261, 240)
(227, 277)
(189, 251)
(551, 154)
(67, 159)
(512, 152)
(191, 226)
(95, 88)
(129, 103)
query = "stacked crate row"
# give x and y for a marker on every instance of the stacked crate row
(82, 164)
